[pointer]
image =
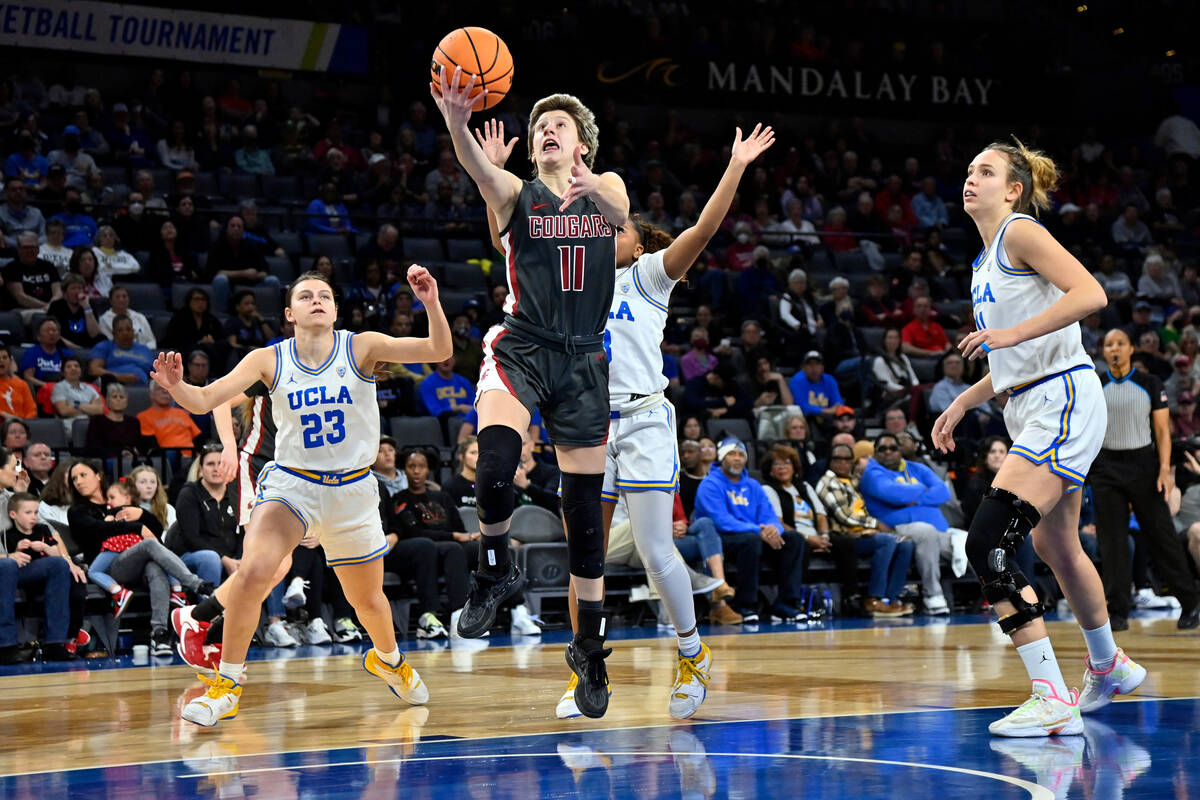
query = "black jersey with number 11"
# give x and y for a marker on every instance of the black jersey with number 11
(560, 266)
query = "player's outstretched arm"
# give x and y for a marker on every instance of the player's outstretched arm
(372, 347)
(607, 190)
(499, 188)
(223, 422)
(1030, 245)
(167, 372)
(497, 151)
(688, 245)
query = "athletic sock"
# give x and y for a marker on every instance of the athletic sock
(1102, 649)
(689, 646)
(230, 670)
(391, 657)
(1041, 665)
(493, 555)
(208, 610)
(592, 625)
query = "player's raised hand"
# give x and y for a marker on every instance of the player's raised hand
(943, 430)
(583, 180)
(744, 151)
(491, 139)
(167, 371)
(454, 101)
(424, 286)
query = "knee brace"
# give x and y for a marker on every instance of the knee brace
(499, 455)
(1000, 526)
(585, 523)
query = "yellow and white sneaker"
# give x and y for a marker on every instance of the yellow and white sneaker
(691, 683)
(1056, 762)
(218, 703)
(1123, 677)
(1043, 714)
(566, 708)
(403, 680)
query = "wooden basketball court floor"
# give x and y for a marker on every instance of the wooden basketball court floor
(852, 709)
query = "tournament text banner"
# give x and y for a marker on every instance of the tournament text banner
(183, 35)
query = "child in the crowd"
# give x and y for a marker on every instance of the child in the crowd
(120, 495)
(39, 541)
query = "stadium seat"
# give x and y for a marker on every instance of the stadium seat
(240, 186)
(159, 322)
(290, 241)
(416, 431)
(145, 297)
(420, 249)
(12, 329)
(115, 176)
(453, 300)
(49, 432)
(281, 267)
(269, 301)
(544, 525)
(139, 399)
(853, 261)
(720, 428)
(470, 518)
(334, 245)
(179, 292)
(465, 249)
(79, 429)
(464, 276)
(925, 369)
(281, 189)
(206, 184)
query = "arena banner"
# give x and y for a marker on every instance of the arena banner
(784, 85)
(183, 35)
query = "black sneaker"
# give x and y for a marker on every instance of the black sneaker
(486, 597)
(1188, 618)
(160, 643)
(749, 614)
(1118, 624)
(57, 652)
(786, 613)
(591, 691)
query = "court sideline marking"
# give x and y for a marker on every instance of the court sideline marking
(1036, 792)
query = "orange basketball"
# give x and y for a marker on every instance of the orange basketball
(481, 53)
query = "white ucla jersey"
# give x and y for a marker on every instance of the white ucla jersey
(1004, 295)
(327, 418)
(633, 337)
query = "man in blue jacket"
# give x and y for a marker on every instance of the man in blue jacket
(743, 516)
(906, 495)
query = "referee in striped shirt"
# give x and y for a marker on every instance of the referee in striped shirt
(1134, 468)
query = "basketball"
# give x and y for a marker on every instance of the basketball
(479, 52)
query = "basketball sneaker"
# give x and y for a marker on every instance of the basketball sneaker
(566, 708)
(120, 599)
(277, 635)
(487, 595)
(523, 623)
(696, 775)
(1043, 714)
(315, 632)
(295, 596)
(1123, 677)
(344, 630)
(592, 691)
(218, 703)
(691, 683)
(179, 598)
(402, 679)
(193, 646)
(430, 627)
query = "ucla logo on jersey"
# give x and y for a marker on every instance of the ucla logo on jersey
(330, 480)
(341, 371)
(623, 312)
(318, 396)
(982, 294)
(624, 288)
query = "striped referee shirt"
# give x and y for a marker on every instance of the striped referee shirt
(1130, 402)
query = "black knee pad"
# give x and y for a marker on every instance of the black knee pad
(585, 523)
(499, 455)
(997, 532)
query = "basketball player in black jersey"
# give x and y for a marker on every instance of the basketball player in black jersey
(559, 235)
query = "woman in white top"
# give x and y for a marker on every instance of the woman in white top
(96, 279)
(110, 256)
(1157, 282)
(175, 152)
(892, 370)
(52, 250)
(1028, 294)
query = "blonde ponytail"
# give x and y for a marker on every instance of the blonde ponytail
(1034, 170)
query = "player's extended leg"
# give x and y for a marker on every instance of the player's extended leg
(582, 481)
(1108, 670)
(502, 419)
(650, 516)
(363, 585)
(566, 708)
(200, 627)
(273, 532)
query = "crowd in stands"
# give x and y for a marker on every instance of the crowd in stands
(808, 352)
